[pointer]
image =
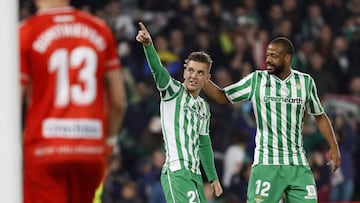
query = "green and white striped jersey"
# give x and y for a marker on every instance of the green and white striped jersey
(279, 107)
(183, 118)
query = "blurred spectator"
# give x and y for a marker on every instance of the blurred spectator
(293, 12)
(115, 179)
(239, 56)
(323, 41)
(339, 62)
(284, 29)
(177, 44)
(301, 59)
(274, 16)
(259, 45)
(129, 193)
(235, 157)
(221, 129)
(355, 86)
(343, 179)
(323, 77)
(204, 42)
(312, 22)
(122, 24)
(155, 193)
(322, 174)
(136, 122)
(252, 11)
(239, 182)
(334, 14)
(352, 7)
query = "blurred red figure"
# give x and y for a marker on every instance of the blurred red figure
(71, 77)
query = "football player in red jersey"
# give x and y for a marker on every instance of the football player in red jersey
(71, 77)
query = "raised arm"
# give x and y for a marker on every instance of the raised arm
(215, 93)
(161, 75)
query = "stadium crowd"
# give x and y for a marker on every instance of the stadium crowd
(326, 35)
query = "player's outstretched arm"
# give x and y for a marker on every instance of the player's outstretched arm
(161, 75)
(215, 93)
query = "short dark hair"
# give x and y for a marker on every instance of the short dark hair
(285, 43)
(200, 56)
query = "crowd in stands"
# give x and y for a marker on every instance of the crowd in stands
(326, 35)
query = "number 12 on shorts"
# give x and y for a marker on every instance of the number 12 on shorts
(262, 188)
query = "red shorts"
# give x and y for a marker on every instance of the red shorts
(62, 182)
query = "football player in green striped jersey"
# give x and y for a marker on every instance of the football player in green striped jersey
(280, 95)
(185, 119)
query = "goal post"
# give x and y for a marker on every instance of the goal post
(10, 108)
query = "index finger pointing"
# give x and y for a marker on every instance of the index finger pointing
(142, 26)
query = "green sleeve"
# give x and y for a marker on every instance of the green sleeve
(159, 72)
(207, 158)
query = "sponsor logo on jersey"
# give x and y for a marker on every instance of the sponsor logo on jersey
(285, 100)
(72, 128)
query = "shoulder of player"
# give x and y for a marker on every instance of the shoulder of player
(96, 20)
(301, 74)
(26, 23)
(257, 73)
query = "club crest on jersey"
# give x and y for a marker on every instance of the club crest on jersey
(197, 113)
(298, 85)
(258, 199)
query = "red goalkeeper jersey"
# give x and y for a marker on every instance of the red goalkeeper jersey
(64, 55)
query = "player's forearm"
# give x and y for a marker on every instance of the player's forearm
(207, 158)
(326, 129)
(215, 93)
(115, 120)
(157, 69)
(116, 100)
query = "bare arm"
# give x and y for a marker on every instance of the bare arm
(215, 93)
(117, 102)
(327, 131)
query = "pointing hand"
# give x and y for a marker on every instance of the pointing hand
(143, 35)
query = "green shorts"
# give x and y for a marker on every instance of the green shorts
(268, 182)
(182, 186)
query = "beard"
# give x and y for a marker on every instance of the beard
(276, 69)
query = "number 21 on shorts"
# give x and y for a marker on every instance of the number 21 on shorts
(192, 196)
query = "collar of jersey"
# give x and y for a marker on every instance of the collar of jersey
(188, 93)
(62, 9)
(280, 80)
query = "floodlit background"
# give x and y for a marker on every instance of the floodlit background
(326, 35)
